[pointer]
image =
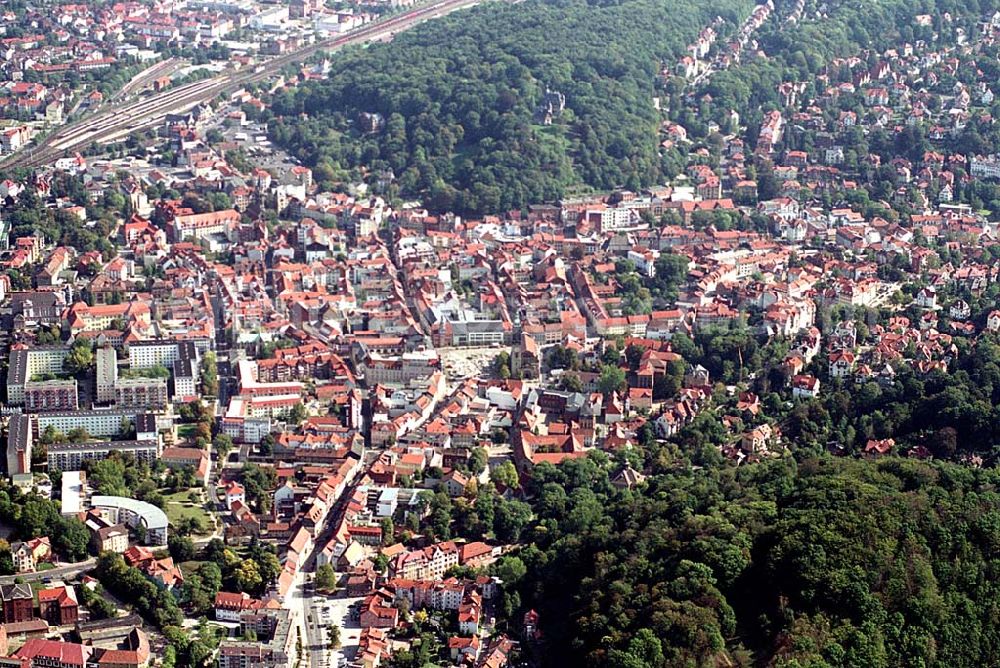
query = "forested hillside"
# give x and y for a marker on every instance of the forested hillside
(829, 562)
(459, 98)
(804, 51)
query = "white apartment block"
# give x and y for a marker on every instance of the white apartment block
(99, 424)
(107, 374)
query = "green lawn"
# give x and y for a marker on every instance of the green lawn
(178, 507)
(177, 512)
(189, 567)
(186, 430)
(179, 496)
(45, 566)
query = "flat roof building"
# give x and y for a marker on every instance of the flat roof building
(132, 513)
(19, 441)
(98, 423)
(73, 484)
(50, 395)
(107, 374)
(71, 456)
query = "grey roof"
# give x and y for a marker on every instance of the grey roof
(186, 350)
(184, 368)
(145, 423)
(92, 413)
(40, 299)
(12, 592)
(17, 367)
(110, 446)
(18, 439)
(152, 517)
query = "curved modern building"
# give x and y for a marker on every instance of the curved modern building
(132, 513)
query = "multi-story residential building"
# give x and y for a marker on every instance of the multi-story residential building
(19, 441)
(82, 317)
(133, 513)
(147, 354)
(50, 395)
(23, 556)
(26, 363)
(71, 456)
(42, 653)
(196, 458)
(131, 652)
(98, 423)
(148, 393)
(429, 563)
(243, 427)
(398, 369)
(985, 167)
(235, 494)
(106, 535)
(107, 374)
(230, 606)
(202, 225)
(18, 603)
(275, 647)
(58, 605)
(185, 376)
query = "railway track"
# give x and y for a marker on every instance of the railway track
(147, 76)
(119, 121)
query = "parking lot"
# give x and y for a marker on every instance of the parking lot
(252, 139)
(329, 611)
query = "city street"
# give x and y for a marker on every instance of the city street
(67, 572)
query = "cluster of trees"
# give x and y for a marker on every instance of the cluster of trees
(268, 349)
(949, 412)
(28, 215)
(800, 52)
(201, 587)
(31, 516)
(671, 273)
(824, 562)
(635, 297)
(198, 412)
(253, 573)
(185, 648)
(80, 358)
(157, 371)
(122, 475)
(479, 514)
(326, 578)
(100, 606)
(458, 99)
(223, 569)
(129, 584)
(6, 558)
(209, 374)
(258, 481)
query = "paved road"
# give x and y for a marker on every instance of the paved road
(60, 573)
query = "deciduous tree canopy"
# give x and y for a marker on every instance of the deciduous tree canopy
(460, 100)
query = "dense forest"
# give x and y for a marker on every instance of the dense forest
(823, 562)
(459, 97)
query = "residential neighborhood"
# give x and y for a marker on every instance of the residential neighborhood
(262, 410)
